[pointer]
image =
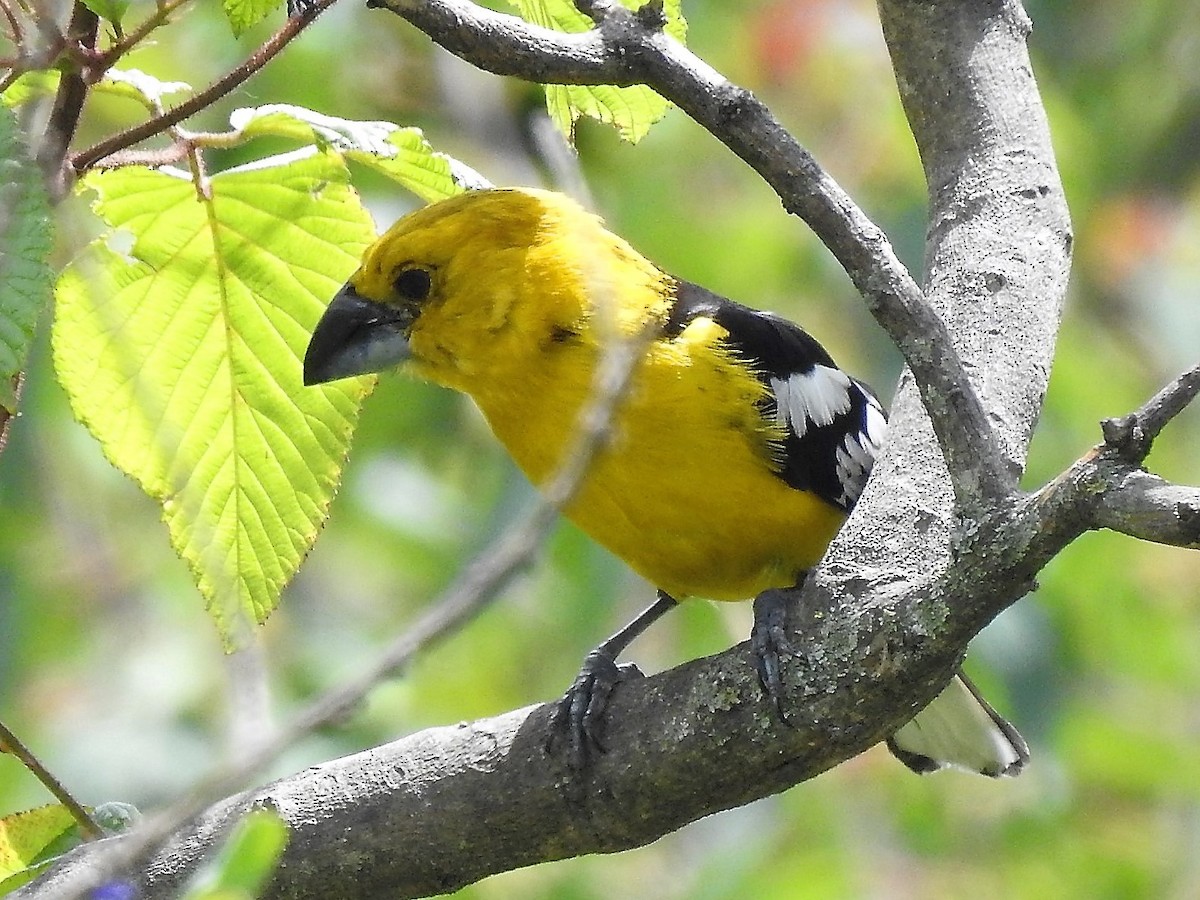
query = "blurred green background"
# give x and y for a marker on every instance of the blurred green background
(111, 671)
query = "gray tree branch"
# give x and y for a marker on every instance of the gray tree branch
(1107, 488)
(1144, 506)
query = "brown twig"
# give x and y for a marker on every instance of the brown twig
(7, 415)
(85, 159)
(82, 33)
(17, 34)
(13, 745)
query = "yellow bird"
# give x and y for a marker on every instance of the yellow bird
(735, 456)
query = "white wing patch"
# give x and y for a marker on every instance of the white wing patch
(876, 423)
(858, 450)
(816, 396)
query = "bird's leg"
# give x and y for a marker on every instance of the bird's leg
(579, 716)
(769, 641)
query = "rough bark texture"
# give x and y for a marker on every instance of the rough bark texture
(932, 553)
(997, 261)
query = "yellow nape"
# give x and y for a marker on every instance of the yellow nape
(526, 287)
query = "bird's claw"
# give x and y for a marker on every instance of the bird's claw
(770, 645)
(578, 720)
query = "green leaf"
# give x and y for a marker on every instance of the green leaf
(245, 14)
(25, 239)
(37, 85)
(182, 356)
(27, 838)
(401, 154)
(136, 85)
(414, 164)
(242, 866)
(112, 10)
(631, 110)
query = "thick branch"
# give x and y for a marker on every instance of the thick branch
(1145, 506)
(445, 807)
(998, 243)
(624, 50)
(998, 258)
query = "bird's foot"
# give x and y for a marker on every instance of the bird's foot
(770, 645)
(578, 722)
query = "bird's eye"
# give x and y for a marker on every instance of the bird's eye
(413, 284)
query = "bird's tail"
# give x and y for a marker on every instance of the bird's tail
(960, 729)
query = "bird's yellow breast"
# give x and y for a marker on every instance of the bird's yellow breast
(684, 490)
(525, 288)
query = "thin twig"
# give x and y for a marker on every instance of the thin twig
(85, 159)
(1107, 487)
(1132, 436)
(13, 744)
(29, 59)
(14, 27)
(162, 156)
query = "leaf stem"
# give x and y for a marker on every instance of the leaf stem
(13, 744)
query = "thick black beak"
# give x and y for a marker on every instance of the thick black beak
(356, 336)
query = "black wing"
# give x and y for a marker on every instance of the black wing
(834, 424)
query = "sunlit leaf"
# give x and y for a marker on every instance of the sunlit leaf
(301, 124)
(414, 164)
(631, 110)
(25, 278)
(112, 10)
(136, 85)
(244, 14)
(31, 86)
(242, 866)
(182, 356)
(27, 838)
(401, 154)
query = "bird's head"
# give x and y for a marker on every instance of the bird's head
(462, 284)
